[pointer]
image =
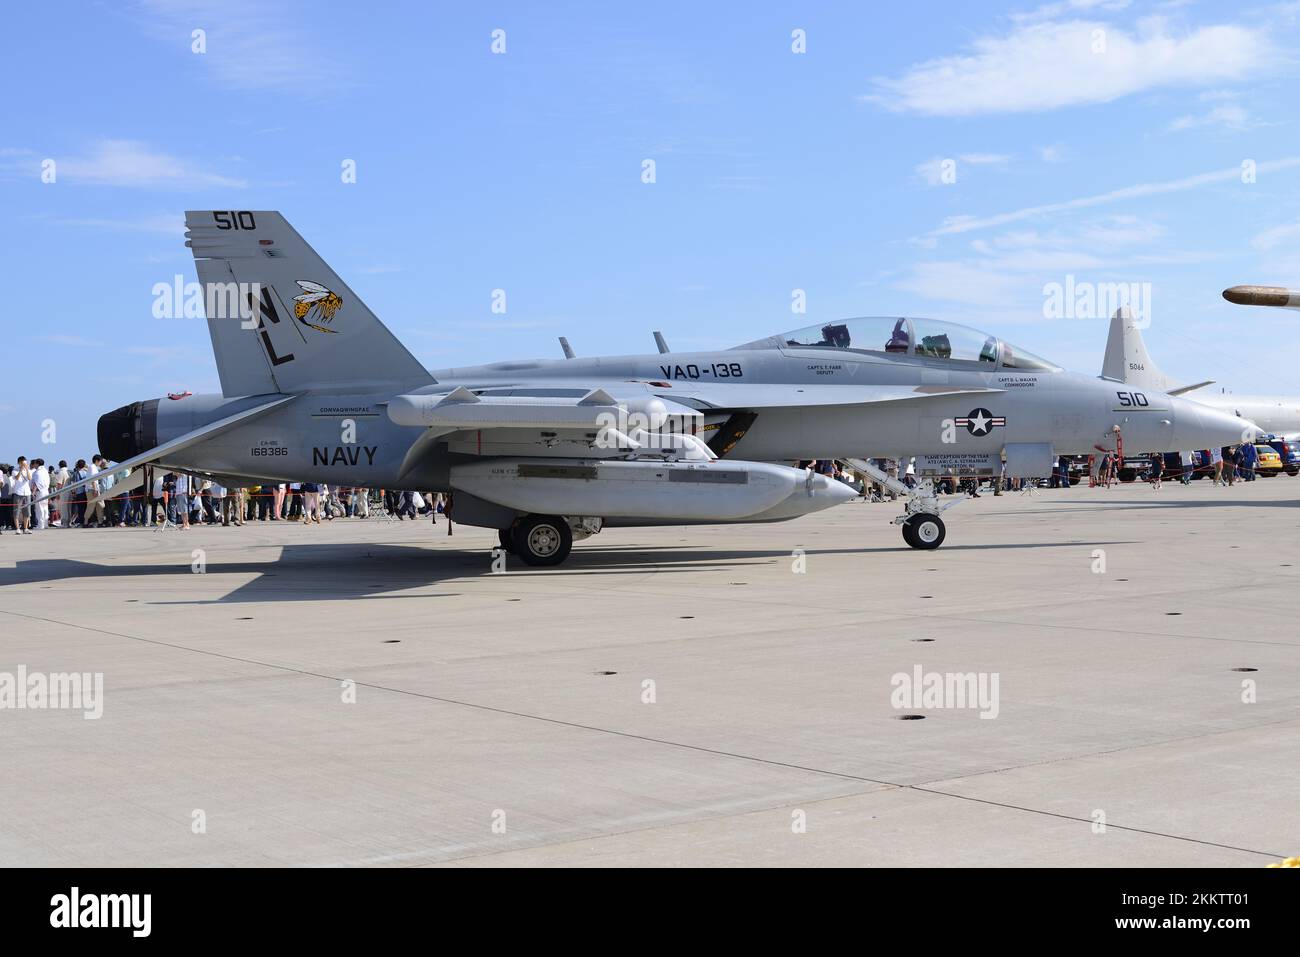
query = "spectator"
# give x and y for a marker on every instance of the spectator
(22, 496)
(217, 504)
(182, 497)
(40, 489)
(1249, 460)
(61, 502)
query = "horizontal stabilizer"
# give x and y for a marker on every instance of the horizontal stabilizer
(180, 442)
(1183, 390)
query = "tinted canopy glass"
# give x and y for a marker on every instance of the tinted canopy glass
(930, 338)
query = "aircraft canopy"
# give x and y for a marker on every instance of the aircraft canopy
(928, 338)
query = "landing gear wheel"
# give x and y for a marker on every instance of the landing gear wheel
(506, 537)
(924, 531)
(542, 540)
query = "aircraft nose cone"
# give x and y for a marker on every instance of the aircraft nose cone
(1198, 426)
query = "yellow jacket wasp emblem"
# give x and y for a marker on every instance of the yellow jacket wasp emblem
(316, 299)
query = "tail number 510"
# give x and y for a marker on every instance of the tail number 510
(1129, 399)
(234, 219)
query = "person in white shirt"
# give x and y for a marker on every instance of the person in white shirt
(95, 509)
(157, 507)
(22, 496)
(40, 489)
(183, 499)
(62, 478)
(217, 504)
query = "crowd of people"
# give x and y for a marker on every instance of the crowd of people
(1224, 466)
(159, 497)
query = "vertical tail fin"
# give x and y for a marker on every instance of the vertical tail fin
(281, 320)
(1127, 359)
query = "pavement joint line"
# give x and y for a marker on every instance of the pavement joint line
(1086, 820)
(1107, 751)
(644, 738)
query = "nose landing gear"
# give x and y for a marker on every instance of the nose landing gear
(922, 526)
(923, 530)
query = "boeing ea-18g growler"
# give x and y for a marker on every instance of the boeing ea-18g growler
(315, 388)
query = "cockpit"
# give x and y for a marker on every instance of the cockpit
(928, 338)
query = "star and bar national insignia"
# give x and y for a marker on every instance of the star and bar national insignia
(981, 422)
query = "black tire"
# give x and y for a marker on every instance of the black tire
(924, 531)
(542, 540)
(1293, 472)
(506, 537)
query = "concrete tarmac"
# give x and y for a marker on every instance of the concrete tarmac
(370, 693)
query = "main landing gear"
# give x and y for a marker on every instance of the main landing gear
(539, 540)
(922, 526)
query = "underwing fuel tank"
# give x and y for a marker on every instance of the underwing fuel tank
(719, 491)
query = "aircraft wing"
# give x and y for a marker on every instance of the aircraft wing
(463, 408)
(178, 443)
(771, 395)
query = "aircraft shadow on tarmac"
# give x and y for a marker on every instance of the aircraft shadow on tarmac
(325, 572)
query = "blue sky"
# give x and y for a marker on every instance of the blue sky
(1099, 140)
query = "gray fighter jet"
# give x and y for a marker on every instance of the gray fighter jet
(315, 388)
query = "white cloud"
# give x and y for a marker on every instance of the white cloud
(1229, 116)
(961, 281)
(1010, 269)
(985, 159)
(966, 224)
(135, 164)
(65, 340)
(1045, 66)
(1051, 154)
(164, 224)
(1276, 236)
(252, 45)
(1054, 11)
(161, 354)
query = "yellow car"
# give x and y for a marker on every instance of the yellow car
(1270, 463)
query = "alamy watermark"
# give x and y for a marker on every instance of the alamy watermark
(922, 689)
(64, 691)
(214, 300)
(1080, 299)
